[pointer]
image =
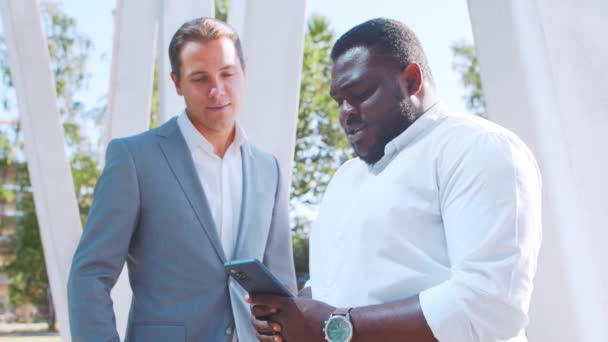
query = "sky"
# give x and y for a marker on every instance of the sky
(438, 23)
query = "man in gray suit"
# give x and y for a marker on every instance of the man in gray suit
(177, 202)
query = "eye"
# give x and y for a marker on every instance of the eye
(364, 95)
(200, 79)
(228, 74)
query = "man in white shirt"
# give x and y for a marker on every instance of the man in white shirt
(433, 232)
(175, 203)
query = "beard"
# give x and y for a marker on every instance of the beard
(404, 114)
(408, 110)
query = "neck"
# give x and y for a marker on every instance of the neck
(219, 139)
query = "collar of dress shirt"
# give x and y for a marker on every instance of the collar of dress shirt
(425, 122)
(195, 139)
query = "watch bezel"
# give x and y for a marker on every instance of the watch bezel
(336, 318)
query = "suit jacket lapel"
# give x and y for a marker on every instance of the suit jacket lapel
(180, 161)
(247, 236)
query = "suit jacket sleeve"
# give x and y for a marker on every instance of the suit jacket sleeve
(278, 255)
(103, 248)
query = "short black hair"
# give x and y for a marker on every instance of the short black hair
(387, 38)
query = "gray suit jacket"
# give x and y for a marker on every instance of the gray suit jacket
(150, 210)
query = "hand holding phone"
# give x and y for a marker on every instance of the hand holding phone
(255, 277)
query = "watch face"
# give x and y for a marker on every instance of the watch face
(339, 329)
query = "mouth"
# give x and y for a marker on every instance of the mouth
(355, 134)
(217, 108)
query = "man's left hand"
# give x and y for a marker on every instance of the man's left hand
(298, 319)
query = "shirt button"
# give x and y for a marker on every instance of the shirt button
(229, 330)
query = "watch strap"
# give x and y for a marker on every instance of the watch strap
(341, 312)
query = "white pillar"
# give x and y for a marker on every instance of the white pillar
(48, 165)
(273, 53)
(544, 72)
(131, 76)
(129, 99)
(173, 13)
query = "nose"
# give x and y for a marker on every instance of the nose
(217, 89)
(346, 110)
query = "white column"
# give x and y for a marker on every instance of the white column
(48, 165)
(129, 99)
(273, 52)
(544, 69)
(131, 76)
(173, 13)
(237, 10)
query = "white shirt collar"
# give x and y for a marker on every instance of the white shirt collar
(195, 139)
(424, 123)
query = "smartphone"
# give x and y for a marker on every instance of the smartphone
(255, 277)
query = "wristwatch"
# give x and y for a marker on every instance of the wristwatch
(338, 327)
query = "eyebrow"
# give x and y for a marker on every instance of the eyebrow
(198, 72)
(353, 81)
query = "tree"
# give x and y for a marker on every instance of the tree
(27, 271)
(68, 51)
(466, 63)
(221, 10)
(155, 103)
(321, 146)
(6, 158)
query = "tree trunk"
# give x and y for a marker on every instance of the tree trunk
(51, 314)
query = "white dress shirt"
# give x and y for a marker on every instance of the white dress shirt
(221, 178)
(451, 212)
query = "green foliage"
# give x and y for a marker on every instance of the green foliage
(321, 146)
(221, 10)
(466, 63)
(6, 195)
(85, 172)
(27, 271)
(300, 256)
(69, 52)
(155, 105)
(5, 73)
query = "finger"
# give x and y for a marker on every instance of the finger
(265, 327)
(266, 299)
(269, 338)
(263, 311)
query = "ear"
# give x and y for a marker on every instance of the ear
(410, 79)
(178, 88)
